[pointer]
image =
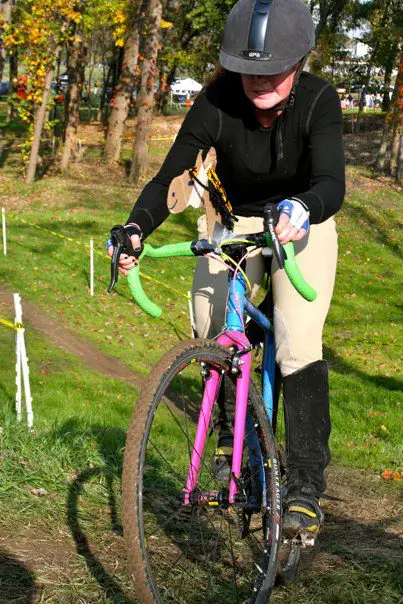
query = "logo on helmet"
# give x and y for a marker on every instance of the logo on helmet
(255, 54)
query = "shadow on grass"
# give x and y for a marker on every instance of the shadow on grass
(339, 365)
(16, 580)
(351, 558)
(382, 234)
(110, 443)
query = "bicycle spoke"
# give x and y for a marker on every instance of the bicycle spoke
(173, 516)
(226, 547)
(206, 557)
(186, 424)
(202, 458)
(181, 555)
(195, 551)
(175, 473)
(187, 550)
(233, 563)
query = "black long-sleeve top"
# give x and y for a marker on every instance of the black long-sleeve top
(300, 155)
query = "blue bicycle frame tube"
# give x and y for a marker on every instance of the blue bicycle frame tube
(268, 364)
(236, 303)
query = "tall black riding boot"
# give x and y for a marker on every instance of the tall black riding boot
(307, 422)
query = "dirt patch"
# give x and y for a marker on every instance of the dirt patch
(90, 355)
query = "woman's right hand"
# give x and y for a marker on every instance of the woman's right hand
(126, 262)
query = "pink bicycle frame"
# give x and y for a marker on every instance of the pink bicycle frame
(240, 341)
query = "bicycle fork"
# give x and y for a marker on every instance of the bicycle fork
(212, 384)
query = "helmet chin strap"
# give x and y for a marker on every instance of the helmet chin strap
(289, 101)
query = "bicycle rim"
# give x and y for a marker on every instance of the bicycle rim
(196, 553)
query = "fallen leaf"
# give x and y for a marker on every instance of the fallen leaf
(38, 492)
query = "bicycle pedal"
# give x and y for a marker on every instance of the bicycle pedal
(307, 541)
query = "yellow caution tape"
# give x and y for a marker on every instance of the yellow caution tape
(16, 327)
(103, 255)
(40, 228)
(163, 138)
(164, 285)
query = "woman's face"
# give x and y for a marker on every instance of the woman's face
(266, 92)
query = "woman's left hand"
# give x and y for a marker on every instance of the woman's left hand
(293, 223)
(287, 232)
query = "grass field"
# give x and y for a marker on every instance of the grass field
(66, 546)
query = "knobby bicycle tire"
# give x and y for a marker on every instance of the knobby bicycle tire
(290, 549)
(154, 519)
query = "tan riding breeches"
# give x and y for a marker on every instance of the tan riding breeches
(298, 324)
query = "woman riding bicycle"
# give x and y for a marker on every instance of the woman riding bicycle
(277, 132)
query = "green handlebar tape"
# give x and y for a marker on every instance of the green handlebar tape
(295, 276)
(133, 278)
(168, 251)
(139, 295)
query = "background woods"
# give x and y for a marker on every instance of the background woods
(63, 62)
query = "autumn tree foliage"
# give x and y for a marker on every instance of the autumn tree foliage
(5, 20)
(42, 28)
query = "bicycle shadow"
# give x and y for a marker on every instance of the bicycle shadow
(110, 442)
(16, 580)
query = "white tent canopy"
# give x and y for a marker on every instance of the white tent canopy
(186, 86)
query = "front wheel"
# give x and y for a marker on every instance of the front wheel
(202, 551)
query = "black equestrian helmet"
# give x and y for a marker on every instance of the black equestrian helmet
(266, 37)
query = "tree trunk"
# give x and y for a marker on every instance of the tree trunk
(370, 64)
(399, 167)
(397, 151)
(145, 100)
(91, 67)
(6, 10)
(106, 77)
(383, 148)
(386, 87)
(76, 75)
(361, 102)
(123, 93)
(389, 154)
(164, 91)
(13, 64)
(39, 122)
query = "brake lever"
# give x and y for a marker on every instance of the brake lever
(269, 225)
(121, 245)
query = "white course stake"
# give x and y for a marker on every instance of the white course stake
(18, 394)
(3, 222)
(91, 267)
(22, 366)
(192, 325)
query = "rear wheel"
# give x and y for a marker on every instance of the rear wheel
(197, 552)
